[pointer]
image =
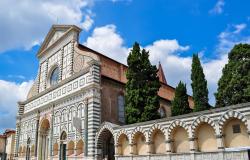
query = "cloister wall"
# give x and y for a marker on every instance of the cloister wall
(201, 135)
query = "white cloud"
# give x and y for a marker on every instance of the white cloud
(25, 23)
(164, 47)
(218, 8)
(231, 36)
(10, 94)
(106, 40)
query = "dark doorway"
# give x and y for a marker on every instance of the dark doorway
(107, 145)
(63, 146)
(28, 150)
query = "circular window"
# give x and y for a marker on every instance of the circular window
(54, 78)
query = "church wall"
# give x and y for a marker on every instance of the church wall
(109, 100)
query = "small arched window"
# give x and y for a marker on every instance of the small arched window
(162, 112)
(54, 78)
(121, 109)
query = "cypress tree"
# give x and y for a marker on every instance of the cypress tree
(199, 85)
(180, 103)
(141, 98)
(150, 90)
(234, 84)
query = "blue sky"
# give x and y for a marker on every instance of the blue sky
(171, 30)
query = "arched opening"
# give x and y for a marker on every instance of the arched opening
(158, 142)
(28, 150)
(180, 142)
(71, 146)
(55, 149)
(63, 145)
(206, 138)
(140, 147)
(44, 140)
(235, 133)
(106, 145)
(79, 147)
(162, 112)
(123, 145)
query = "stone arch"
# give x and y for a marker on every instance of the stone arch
(139, 140)
(204, 132)
(105, 141)
(43, 139)
(153, 129)
(44, 125)
(70, 148)
(55, 149)
(136, 130)
(79, 147)
(175, 124)
(106, 126)
(178, 135)
(231, 114)
(64, 115)
(233, 127)
(57, 117)
(63, 136)
(123, 144)
(121, 132)
(199, 120)
(157, 138)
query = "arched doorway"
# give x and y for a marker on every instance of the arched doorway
(28, 150)
(63, 145)
(44, 140)
(105, 145)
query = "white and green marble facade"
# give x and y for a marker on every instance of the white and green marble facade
(77, 91)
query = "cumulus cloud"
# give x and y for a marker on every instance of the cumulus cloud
(231, 36)
(25, 23)
(107, 40)
(218, 8)
(10, 94)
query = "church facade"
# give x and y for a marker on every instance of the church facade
(75, 110)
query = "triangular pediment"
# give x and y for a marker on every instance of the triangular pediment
(55, 33)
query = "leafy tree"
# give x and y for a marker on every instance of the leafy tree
(199, 86)
(141, 98)
(180, 103)
(234, 84)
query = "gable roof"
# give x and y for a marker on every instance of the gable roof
(161, 74)
(63, 29)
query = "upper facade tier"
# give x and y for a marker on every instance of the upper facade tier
(61, 56)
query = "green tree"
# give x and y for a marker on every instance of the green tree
(180, 103)
(141, 98)
(234, 84)
(199, 85)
